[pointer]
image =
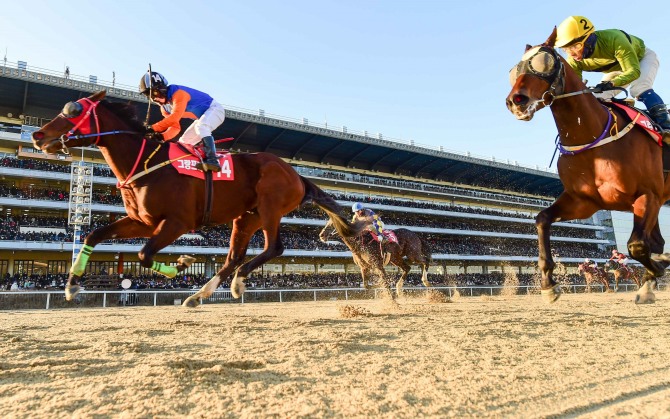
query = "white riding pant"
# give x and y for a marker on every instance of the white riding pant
(203, 126)
(648, 68)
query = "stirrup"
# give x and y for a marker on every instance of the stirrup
(208, 167)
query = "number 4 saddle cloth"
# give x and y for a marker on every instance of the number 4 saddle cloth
(185, 158)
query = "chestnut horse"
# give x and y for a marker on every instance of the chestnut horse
(623, 273)
(367, 254)
(163, 204)
(596, 175)
(594, 273)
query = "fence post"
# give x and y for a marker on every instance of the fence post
(48, 299)
(346, 295)
(314, 295)
(281, 300)
(155, 298)
(104, 300)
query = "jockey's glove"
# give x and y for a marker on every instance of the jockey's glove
(602, 87)
(153, 135)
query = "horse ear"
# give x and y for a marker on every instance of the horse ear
(528, 46)
(552, 39)
(98, 96)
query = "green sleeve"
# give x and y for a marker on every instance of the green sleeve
(627, 57)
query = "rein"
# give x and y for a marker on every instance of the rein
(549, 97)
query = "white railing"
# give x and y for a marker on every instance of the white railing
(22, 300)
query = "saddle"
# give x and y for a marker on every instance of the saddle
(389, 235)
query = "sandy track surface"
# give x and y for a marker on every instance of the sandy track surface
(593, 355)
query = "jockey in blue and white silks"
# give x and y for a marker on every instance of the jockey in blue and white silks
(374, 222)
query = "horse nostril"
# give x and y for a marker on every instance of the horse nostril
(38, 135)
(519, 99)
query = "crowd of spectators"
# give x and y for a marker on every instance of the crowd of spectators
(300, 237)
(286, 281)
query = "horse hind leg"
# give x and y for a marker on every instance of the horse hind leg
(273, 248)
(244, 228)
(424, 276)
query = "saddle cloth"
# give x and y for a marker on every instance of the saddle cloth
(389, 235)
(640, 118)
(185, 157)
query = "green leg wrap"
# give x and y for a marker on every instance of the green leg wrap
(169, 271)
(79, 264)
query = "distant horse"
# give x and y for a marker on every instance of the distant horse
(623, 273)
(367, 254)
(626, 176)
(594, 273)
(162, 204)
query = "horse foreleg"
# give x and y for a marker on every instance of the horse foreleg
(565, 208)
(165, 234)
(125, 228)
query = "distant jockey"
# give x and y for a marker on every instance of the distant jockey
(179, 102)
(592, 264)
(619, 257)
(374, 223)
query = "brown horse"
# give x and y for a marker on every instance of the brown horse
(162, 204)
(626, 176)
(594, 273)
(367, 254)
(623, 273)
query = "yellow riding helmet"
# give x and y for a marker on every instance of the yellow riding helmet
(571, 29)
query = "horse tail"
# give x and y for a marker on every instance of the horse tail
(327, 203)
(425, 250)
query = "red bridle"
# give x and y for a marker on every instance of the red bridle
(88, 109)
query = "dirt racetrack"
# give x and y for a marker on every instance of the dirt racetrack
(590, 355)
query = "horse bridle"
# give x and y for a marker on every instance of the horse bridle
(78, 113)
(555, 76)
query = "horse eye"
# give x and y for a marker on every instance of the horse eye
(72, 109)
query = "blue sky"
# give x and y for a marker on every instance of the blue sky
(435, 72)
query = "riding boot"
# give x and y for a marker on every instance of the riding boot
(660, 115)
(211, 162)
(657, 110)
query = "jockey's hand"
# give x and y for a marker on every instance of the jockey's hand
(602, 87)
(153, 135)
(148, 129)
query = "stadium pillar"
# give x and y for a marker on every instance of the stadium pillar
(119, 265)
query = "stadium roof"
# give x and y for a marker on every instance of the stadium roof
(42, 94)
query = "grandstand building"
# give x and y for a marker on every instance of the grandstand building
(477, 214)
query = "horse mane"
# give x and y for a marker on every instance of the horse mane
(125, 112)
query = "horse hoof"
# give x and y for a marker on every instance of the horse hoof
(645, 295)
(237, 288)
(71, 292)
(191, 302)
(646, 298)
(552, 294)
(185, 260)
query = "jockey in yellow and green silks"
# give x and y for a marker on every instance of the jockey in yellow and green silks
(625, 59)
(365, 214)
